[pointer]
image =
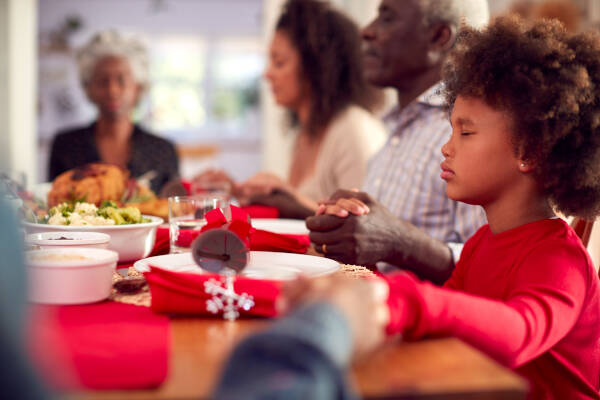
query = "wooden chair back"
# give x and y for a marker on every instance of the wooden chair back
(583, 229)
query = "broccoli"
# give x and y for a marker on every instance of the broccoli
(108, 203)
(131, 215)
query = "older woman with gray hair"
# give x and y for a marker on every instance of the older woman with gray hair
(114, 73)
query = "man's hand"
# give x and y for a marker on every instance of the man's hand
(288, 205)
(378, 236)
(361, 301)
(352, 239)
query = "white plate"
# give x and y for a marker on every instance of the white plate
(281, 225)
(262, 265)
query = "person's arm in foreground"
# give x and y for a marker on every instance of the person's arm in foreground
(365, 237)
(305, 355)
(302, 356)
(17, 377)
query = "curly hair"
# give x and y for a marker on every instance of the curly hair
(111, 43)
(548, 81)
(329, 45)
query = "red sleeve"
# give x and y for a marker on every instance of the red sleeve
(543, 303)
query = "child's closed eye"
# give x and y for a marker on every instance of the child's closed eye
(466, 133)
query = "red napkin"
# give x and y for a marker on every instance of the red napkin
(187, 185)
(184, 293)
(259, 211)
(268, 241)
(105, 345)
(161, 244)
(256, 238)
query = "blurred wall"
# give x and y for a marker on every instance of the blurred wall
(17, 87)
(276, 143)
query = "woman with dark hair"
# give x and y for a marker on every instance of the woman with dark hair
(315, 71)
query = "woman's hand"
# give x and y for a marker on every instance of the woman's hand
(263, 183)
(214, 177)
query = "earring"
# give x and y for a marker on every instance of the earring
(523, 165)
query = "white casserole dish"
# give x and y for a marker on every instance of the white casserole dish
(133, 241)
(70, 275)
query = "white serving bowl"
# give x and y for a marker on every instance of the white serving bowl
(132, 242)
(70, 275)
(53, 240)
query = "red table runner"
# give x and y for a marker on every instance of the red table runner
(104, 345)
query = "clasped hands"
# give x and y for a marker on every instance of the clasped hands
(353, 228)
(266, 189)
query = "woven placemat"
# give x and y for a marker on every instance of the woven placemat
(143, 297)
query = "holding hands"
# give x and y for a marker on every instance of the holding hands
(353, 228)
(215, 177)
(342, 206)
(261, 184)
(264, 188)
(270, 190)
(363, 302)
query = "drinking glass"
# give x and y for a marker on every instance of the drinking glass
(220, 189)
(187, 217)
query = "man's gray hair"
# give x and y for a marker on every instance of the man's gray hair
(473, 13)
(113, 44)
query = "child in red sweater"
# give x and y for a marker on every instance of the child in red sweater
(525, 113)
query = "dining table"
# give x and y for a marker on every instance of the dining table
(199, 345)
(436, 368)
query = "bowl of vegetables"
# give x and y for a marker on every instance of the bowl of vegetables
(131, 234)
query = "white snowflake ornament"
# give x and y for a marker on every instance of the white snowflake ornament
(225, 298)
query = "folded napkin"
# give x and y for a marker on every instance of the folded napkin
(104, 345)
(268, 241)
(255, 239)
(161, 244)
(260, 211)
(185, 293)
(187, 185)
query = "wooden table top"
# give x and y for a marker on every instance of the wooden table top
(430, 369)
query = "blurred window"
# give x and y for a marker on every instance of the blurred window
(203, 88)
